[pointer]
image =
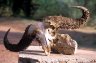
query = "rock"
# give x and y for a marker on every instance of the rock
(65, 45)
(35, 54)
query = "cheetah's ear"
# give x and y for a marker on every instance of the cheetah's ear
(51, 26)
(47, 24)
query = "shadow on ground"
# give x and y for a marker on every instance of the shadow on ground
(27, 60)
(84, 39)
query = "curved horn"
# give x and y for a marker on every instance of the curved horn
(86, 14)
(24, 42)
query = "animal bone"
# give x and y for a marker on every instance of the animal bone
(31, 32)
(24, 42)
(36, 31)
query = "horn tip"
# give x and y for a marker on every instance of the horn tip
(9, 29)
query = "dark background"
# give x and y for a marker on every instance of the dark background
(38, 9)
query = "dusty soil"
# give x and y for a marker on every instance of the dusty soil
(86, 37)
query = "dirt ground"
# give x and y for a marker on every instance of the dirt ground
(85, 37)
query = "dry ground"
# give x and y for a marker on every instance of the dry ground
(85, 38)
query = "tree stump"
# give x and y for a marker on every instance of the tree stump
(35, 54)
